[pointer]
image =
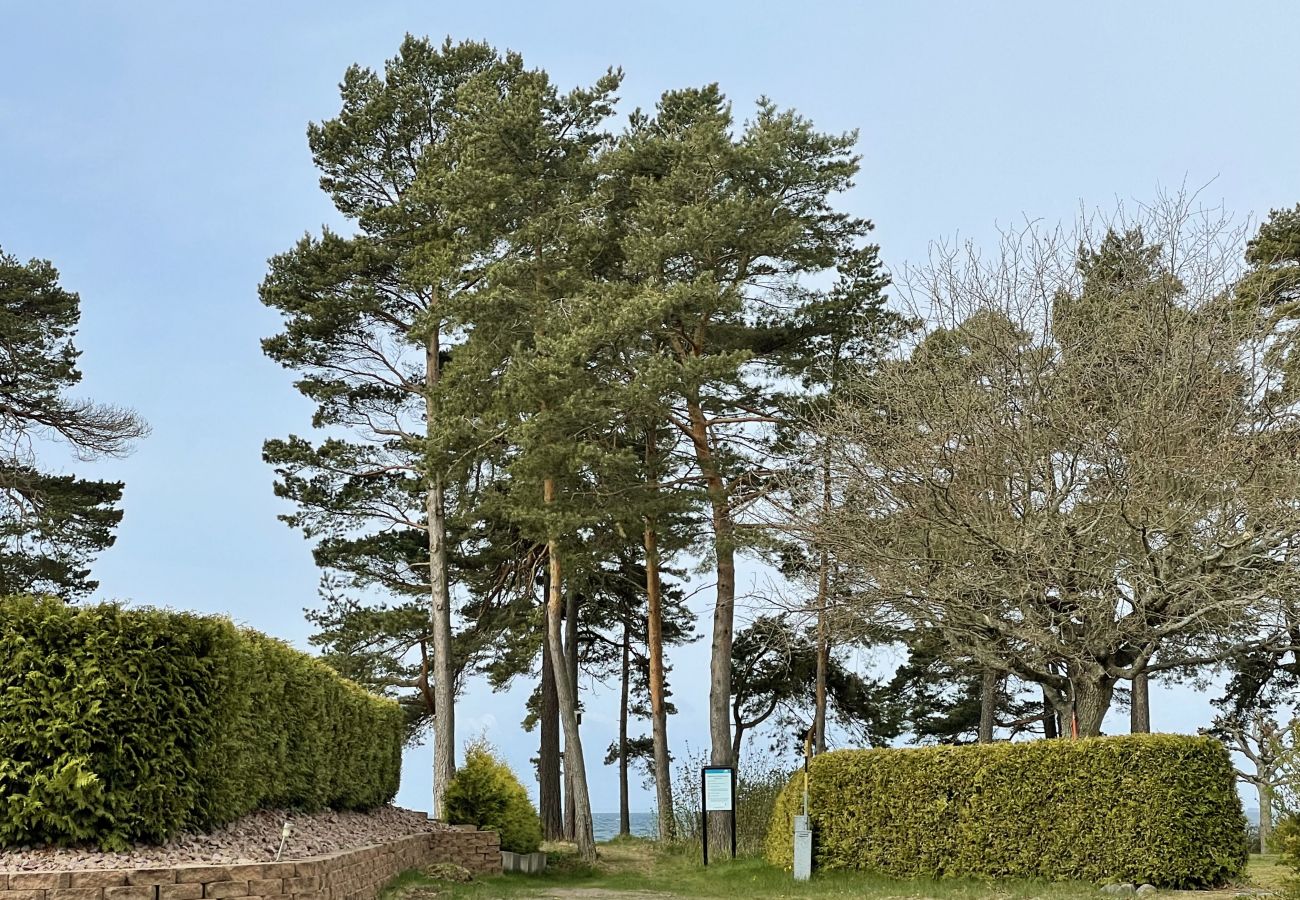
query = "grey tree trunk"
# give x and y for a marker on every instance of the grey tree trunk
(1265, 815)
(1140, 707)
(1051, 727)
(441, 669)
(574, 765)
(624, 817)
(724, 608)
(724, 613)
(549, 796)
(658, 710)
(1092, 696)
(571, 661)
(988, 705)
(823, 656)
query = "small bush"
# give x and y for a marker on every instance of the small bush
(124, 725)
(485, 792)
(1286, 841)
(1143, 808)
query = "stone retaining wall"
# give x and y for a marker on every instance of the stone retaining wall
(349, 875)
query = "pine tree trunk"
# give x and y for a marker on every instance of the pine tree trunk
(624, 817)
(571, 660)
(823, 627)
(1140, 707)
(549, 796)
(1051, 730)
(988, 704)
(737, 743)
(1265, 815)
(658, 710)
(574, 765)
(721, 752)
(724, 609)
(441, 673)
(823, 657)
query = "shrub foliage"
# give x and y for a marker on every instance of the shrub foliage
(121, 725)
(1143, 808)
(486, 793)
(1286, 842)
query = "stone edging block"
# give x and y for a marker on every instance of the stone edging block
(357, 874)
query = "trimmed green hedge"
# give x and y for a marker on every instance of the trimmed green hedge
(1155, 808)
(121, 725)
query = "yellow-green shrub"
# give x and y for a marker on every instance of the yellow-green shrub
(485, 792)
(1286, 843)
(1143, 808)
(120, 725)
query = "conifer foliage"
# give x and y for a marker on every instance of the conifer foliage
(51, 525)
(551, 351)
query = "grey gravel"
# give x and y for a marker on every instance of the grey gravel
(252, 839)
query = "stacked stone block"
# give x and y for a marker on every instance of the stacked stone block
(358, 874)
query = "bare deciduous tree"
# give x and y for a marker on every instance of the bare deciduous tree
(1271, 751)
(1079, 473)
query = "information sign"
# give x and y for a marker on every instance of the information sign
(718, 794)
(717, 790)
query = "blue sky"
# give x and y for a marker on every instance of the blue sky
(155, 152)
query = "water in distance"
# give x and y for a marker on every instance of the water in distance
(605, 825)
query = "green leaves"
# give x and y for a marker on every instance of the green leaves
(134, 725)
(1161, 809)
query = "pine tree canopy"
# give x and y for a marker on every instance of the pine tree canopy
(51, 525)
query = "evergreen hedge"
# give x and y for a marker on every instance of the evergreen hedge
(1161, 809)
(122, 725)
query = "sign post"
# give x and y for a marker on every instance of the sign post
(718, 792)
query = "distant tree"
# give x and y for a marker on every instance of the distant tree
(1272, 753)
(774, 665)
(51, 525)
(623, 625)
(1272, 284)
(854, 330)
(629, 752)
(940, 699)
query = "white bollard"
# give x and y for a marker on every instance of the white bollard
(802, 849)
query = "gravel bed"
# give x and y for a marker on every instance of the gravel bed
(252, 839)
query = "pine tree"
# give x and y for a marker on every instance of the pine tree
(1270, 290)
(366, 326)
(851, 329)
(719, 230)
(775, 676)
(51, 525)
(943, 699)
(524, 383)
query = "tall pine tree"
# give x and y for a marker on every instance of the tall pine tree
(724, 226)
(365, 325)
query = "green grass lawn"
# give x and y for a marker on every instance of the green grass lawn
(1264, 872)
(634, 868)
